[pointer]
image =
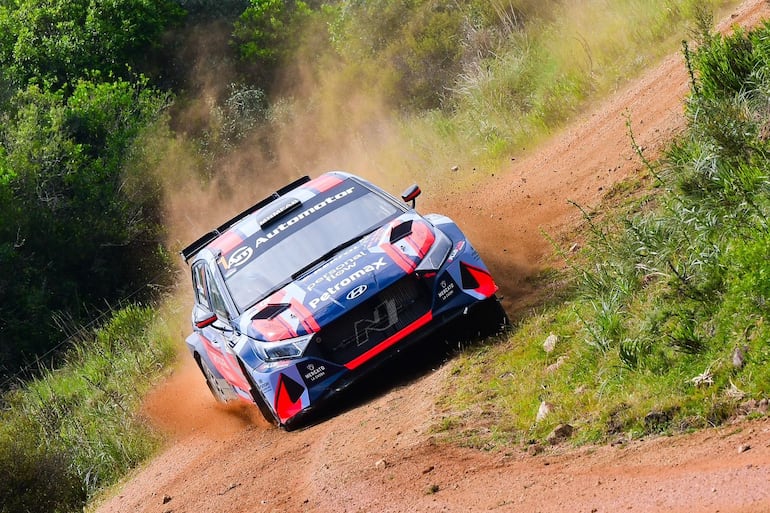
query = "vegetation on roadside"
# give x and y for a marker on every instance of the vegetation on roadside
(77, 428)
(80, 214)
(428, 84)
(666, 330)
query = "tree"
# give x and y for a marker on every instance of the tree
(75, 231)
(58, 40)
(265, 32)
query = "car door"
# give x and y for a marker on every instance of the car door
(218, 336)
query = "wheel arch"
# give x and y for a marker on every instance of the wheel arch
(257, 397)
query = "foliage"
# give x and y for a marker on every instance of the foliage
(549, 66)
(411, 51)
(668, 331)
(57, 41)
(75, 429)
(75, 229)
(35, 478)
(201, 10)
(266, 32)
(243, 111)
(466, 82)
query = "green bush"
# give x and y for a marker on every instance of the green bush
(409, 51)
(59, 41)
(80, 222)
(696, 268)
(267, 33)
(728, 65)
(35, 478)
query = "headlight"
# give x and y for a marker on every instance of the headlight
(436, 254)
(282, 349)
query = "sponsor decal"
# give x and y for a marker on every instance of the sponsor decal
(447, 290)
(264, 386)
(293, 220)
(239, 257)
(339, 270)
(458, 247)
(356, 292)
(347, 281)
(314, 373)
(285, 208)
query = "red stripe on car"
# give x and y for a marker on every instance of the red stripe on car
(225, 364)
(401, 260)
(421, 239)
(323, 183)
(382, 346)
(227, 242)
(305, 316)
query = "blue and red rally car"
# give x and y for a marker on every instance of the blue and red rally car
(302, 293)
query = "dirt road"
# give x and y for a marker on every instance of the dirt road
(378, 454)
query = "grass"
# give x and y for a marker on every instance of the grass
(77, 428)
(667, 292)
(543, 73)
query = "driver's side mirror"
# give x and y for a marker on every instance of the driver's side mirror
(203, 317)
(411, 194)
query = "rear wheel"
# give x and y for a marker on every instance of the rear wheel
(222, 391)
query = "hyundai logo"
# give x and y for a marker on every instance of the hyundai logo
(356, 292)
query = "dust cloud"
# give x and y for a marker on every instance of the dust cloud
(316, 126)
(183, 406)
(319, 123)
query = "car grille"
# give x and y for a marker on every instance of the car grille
(374, 321)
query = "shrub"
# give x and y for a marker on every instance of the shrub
(76, 429)
(36, 478)
(59, 41)
(691, 276)
(79, 226)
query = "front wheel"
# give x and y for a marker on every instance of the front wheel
(486, 319)
(267, 412)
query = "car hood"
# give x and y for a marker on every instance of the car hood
(344, 281)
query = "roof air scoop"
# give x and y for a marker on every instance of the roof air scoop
(400, 231)
(279, 210)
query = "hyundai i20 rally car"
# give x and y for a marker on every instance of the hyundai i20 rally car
(302, 293)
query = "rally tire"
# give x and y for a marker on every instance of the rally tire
(263, 408)
(486, 319)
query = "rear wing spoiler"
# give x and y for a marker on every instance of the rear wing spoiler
(191, 250)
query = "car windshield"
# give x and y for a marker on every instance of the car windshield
(311, 237)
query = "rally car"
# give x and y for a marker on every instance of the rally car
(301, 294)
